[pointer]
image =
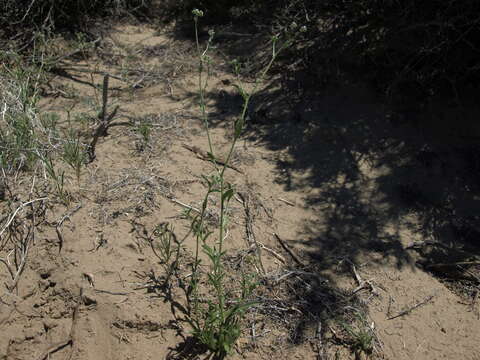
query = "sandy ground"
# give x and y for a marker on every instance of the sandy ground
(133, 186)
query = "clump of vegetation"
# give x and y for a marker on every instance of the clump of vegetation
(30, 141)
(360, 336)
(409, 49)
(216, 323)
(63, 14)
(18, 120)
(74, 152)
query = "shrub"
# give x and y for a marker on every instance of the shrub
(61, 15)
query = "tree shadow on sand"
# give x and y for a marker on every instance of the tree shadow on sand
(389, 187)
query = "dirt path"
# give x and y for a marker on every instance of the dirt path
(134, 185)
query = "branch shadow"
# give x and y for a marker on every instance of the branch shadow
(378, 174)
(378, 179)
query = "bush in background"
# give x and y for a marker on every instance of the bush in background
(22, 18)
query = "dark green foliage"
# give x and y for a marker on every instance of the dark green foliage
(70, 15)
(216, 11)
(421, 48)
(412, 47)
(416, 49)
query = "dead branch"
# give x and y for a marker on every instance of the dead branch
(362, 284)
(68, 214)
(274, 253)
(203, 155)
(59, 224)
(288, 250)
(419, 244)
(280, 277)
(251, 238)
(111, 292)
(101, 129)
(21, 247)
(67, 55)
(178, 202)
(410, 309)
(461, 263)
(286, 201)
(17, 210)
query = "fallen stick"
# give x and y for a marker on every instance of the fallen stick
(362, 284)
(274, 253)
(251, 238)
(68, 214)
(17, 210)
(409, 310)
(60, 223)
(286, 201)
(105, 118)
(288, 250)
(202, 155)
(178, 202)
(111, 292)
(289, 273)
(461, 263)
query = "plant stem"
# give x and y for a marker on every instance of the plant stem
(202, 87)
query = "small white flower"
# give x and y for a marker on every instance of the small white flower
(197, 13)
(303, 29)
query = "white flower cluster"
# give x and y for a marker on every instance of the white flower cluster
(294, 26)
(197, 13)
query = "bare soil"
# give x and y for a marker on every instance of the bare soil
(352, 261)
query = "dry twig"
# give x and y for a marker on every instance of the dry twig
(104, 123)
(362, 284)
(249, 217)
(17, 210)
(21, 247)
(185, 205)
(59, 224)
(288, 250)
(286, 201)
(203, 155)
(410, 309)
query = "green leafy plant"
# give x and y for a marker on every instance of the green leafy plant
(216, 323)
(361, 337)
(58, 177)
(144, 129)
(167, 248)
(18, 118)
(74, 153)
